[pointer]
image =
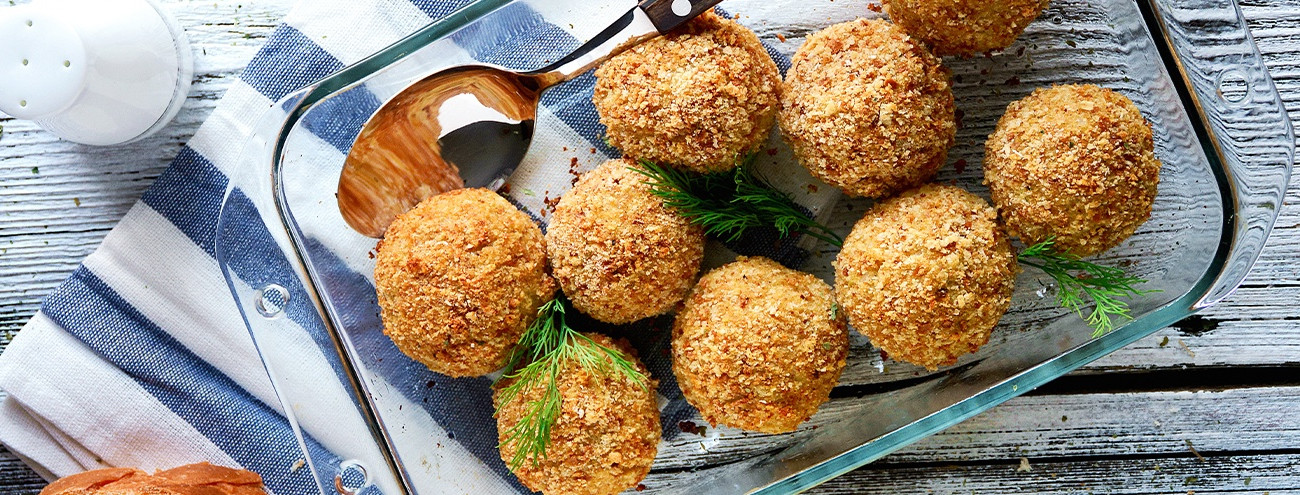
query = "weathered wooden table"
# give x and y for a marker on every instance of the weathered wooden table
(1211, 405)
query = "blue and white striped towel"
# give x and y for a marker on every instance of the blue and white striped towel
(141, 357)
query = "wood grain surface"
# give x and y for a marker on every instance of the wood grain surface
(1211, 405)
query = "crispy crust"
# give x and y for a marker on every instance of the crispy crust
(697, 98)
(459, 277)
(867, 109)
(617, 252)
(606, 437)
(759, 346)
(1074, 161)
(926, 275)
(192, 479)
(964, 27)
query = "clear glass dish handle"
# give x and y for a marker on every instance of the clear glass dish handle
(282, 314)
(1251, 133)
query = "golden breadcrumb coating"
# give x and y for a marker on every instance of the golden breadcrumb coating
(617, 252)
(867, 109)
(607, 434)
(927, 274)
(459, 277)
(964, 27)
(1076, 162)
(759, 346)
(697, 98)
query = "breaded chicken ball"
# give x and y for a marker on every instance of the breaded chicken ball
(964, 27)
(759, 346)
(459, 277)
(926, 275)
(867, 109)
(1076, 162)
(618, 253)
(605, 438)
(698, 98)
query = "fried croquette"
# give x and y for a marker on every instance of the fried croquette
(1076, 162)
(459, 277)
(964, 27)
(867, 109)
(605, 438)
(926, 275)
(617, 252)
(699, 98)
(759, 346)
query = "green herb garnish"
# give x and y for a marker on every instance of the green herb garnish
(1077, 279)
(727, 204)
(548, 347)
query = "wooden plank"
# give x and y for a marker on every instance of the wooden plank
(15, 477)
(1256, 474)
(1241, 420)
(1245, 420)
(1108, 443)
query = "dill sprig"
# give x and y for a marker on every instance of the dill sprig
(1077, 279)
(727, 204)
(547, 347)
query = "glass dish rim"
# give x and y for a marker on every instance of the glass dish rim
(299, 102)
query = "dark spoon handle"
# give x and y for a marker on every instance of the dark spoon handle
(668, 14)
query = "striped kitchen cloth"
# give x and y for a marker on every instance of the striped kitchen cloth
(141, 357)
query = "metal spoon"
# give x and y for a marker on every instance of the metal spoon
(470, 126)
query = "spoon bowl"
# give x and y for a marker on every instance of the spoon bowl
(478, 116)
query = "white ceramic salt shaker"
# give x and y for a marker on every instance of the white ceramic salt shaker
(95, 72)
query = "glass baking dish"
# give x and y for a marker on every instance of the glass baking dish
(370, 420)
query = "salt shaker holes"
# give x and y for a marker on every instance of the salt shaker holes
(139, 80)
